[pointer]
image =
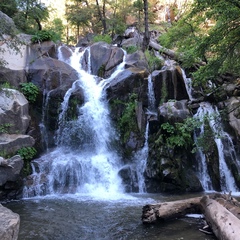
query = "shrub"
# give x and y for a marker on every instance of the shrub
(42, 36)
(131, 49)
(4, 128)
(27, 153)
(30, 91)
(102, 38)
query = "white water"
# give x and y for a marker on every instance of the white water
(188, 84)
(221, 138)
(151, 95)
(84, 161)
(200, 156)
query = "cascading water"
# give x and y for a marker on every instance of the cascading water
(200, 156)
(140, 157)
(223, 142)
(84, 161)
(227, 180)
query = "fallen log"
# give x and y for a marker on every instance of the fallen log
(169, 210)
(227, 201)
(223, 223)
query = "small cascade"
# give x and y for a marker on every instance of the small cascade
(223, 142)
(85, 160)
(204, 176)
(225, 149)
(188, 84)
(42, 125)
(151, 96)
(141, 156)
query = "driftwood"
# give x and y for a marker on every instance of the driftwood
(221, 211)
(169, 210)
(223, 223)
(172, 54)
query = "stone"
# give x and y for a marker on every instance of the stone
(9, 224)
(104, 59)
(12, 171)
(10, 143)
(175, 111)
(14, 111)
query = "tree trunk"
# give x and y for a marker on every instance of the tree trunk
(223, 223)
(101, 16)
(146, 38)
(169, 210)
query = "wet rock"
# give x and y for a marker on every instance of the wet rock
(9, 224)
(14, 111)
(10, 143)
(104, 59)
(11, 182)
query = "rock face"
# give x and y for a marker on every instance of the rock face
(9, 224)
(11, 182)
(10, 143)
(14, 111)
(104, 59)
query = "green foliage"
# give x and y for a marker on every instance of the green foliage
(6, 85)
(56, 29)
(4, 128)
(27, 153)
(153, 61)
(42, 36)
(8, 36)
(179, 134)
(30, 15)
(102, 38)
(30, 91)
(131, 49)
(8, 7)
(209, 32)
(127, 122)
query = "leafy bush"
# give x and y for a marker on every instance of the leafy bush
(42, 36)
(4, 128)
(179, 134)
(27, 153)
(102, 38)
(131, 49)
(30, 91)
(127, 122)
(153, 62)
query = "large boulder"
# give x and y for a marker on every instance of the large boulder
(11, 182)
(9, 224)
(169, 84)
(104, 59)
(48, 74)
(234, 114)
(10, 143)
(175, 111)
(14, 111)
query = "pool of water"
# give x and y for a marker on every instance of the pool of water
(73, 217)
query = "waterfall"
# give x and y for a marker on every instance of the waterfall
(188, 84)
(42, 125)
(151, 96)
(84, 161)
(204, 176)
(225, 149)
(222, 140)
(141, 156)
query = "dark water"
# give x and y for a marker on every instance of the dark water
(79, 217)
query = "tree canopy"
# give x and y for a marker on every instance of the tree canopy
(209, 32)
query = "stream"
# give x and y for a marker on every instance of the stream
(79, 217)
